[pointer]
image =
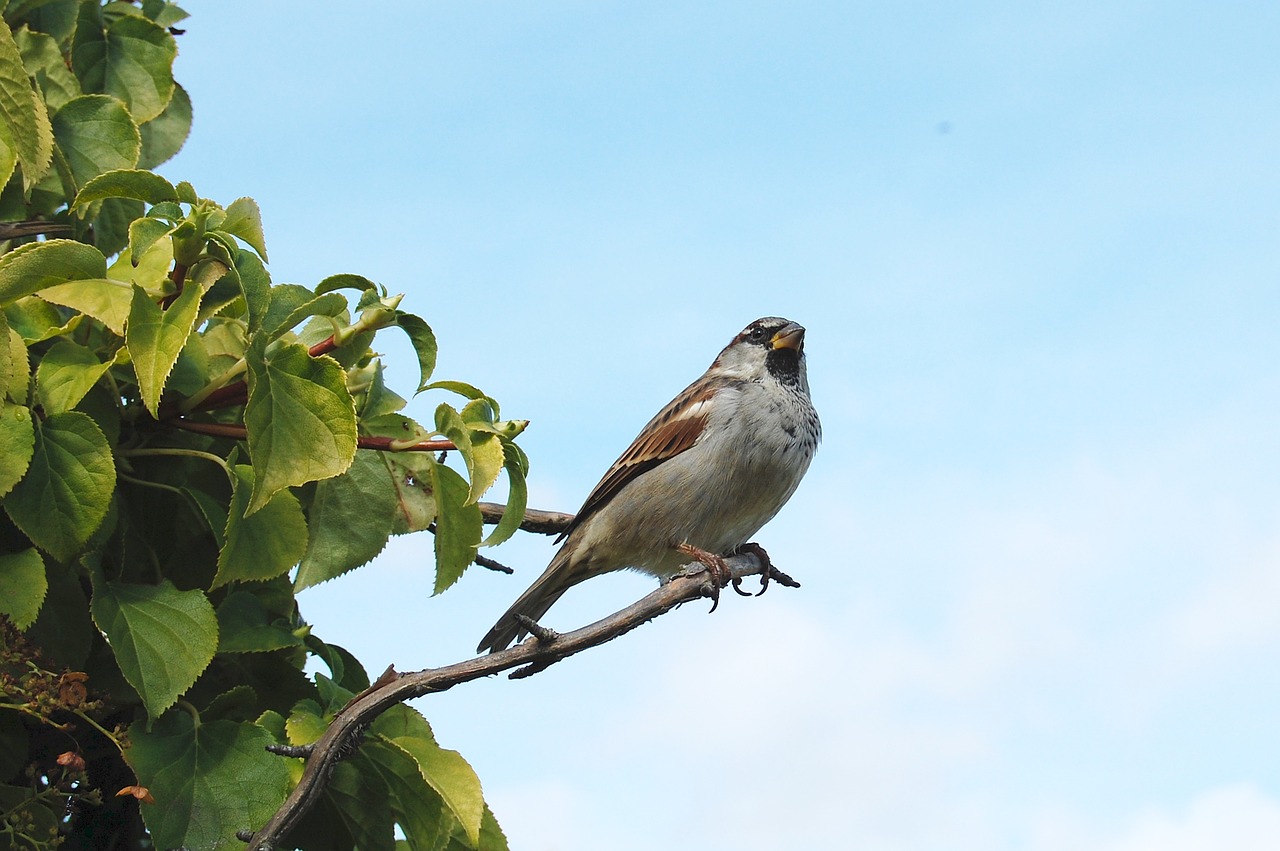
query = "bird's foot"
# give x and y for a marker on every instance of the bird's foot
(768, 571)
(720, 573)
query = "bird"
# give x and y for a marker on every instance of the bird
(703, 476)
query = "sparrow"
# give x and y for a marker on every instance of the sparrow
(702, 477)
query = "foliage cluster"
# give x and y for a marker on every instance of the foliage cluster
(184, 445)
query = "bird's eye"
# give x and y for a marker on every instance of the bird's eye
(756, 335)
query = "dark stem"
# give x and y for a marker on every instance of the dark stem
(179, 277)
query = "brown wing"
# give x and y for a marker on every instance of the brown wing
(672, 431)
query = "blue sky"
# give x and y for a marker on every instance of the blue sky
(1035, 246)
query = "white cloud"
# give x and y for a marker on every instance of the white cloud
(1239, 817)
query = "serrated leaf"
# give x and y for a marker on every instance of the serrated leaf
(155, 338)
(23, 113)
(17, 374)
(126, 183)
(445, 771)
(424, 345)
(350, 519)
(306, 723)
(481, 451)
(418, 809)
(458, 526)
(209, 781)
(46, 65)
(36, 320)
(255, 286)
(162, 638)
(345, 281)
(32, 267)
(66, 373)
(133, 63)
(22, 586)
(96, 134)
(145, 232)
(286, 311)
(67, 489)
(244, 220)
(264, 544)
(164, 135)
(18, 437)
(245, 626)
(517, 467)
(464, 389)
(300, 417)
(102, 298)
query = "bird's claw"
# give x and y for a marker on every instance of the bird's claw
(716, 566)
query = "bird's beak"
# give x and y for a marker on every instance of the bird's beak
(790, 337)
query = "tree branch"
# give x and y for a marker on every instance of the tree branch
(528, 658)
(384, 444)
(535, 520)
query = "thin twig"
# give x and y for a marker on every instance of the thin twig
(529, 657)
(383, 444)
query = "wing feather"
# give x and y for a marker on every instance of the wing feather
(676, 428)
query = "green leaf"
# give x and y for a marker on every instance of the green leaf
(155, 338)
(126, 183)
(463, 389)
(481, 450)
(65, 375)
(164, 135)
(244, 220)
(68, 486)
(424, 345)
(245, 626)
(445, 771)
(102, 298)
(264, 544)
(22, 586)
(15, 365)
(162, 638)
(517, 467)
(290, 304)
(134, 64)
(306, 723)
(359, 797)
(47, 66)
(300, 417)
(32, 267)
(209, 780)
(345, 281)
(36, 320)
(145, 232)
(96, 134)
(350, 519)
(23, 115)
(255, 286)
(418, 809)
(18, 437)
(458, 526)
(64, 632)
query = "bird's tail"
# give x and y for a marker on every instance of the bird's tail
(559, 577)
